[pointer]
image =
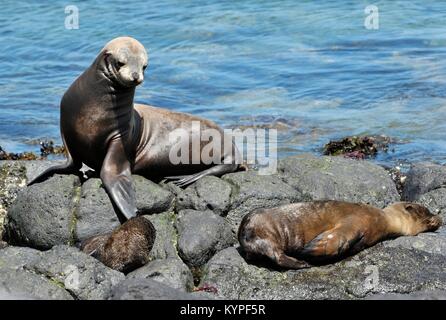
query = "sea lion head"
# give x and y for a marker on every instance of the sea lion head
(418, 216)
(124, 61)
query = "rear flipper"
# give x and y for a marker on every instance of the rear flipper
(288, 262)
(70, 167)
(218, 170)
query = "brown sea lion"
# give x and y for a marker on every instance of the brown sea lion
(126, 248)
(102, 128)
(296, 235)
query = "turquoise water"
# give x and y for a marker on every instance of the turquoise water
(310, 65)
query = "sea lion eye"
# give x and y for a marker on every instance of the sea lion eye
(120, 64)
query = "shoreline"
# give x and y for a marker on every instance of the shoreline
(187, 261)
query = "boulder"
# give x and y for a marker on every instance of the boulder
(208, 193)
(12, 180)
(78, 273)
(251, 191)
(148, 289)
(379, 269)
(338, 178)
(422, 178)
(19, 282)
(200, 235)
(171, 272)
(166, 236)
(43, 214)
(95, 213)
(435, 201)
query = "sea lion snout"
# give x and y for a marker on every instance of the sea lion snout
(126, 60)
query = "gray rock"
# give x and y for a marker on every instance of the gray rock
(418, 295)
(36, 167)
(379, 269)
(338, 178)
(166, 236)
(148, 289)
(251, 191)
(429, 242)
(18, 281)
(435, 201)
(422, 178)
(12, 180)
(208, 193)
(95, 214)
(43, 214)
(172, 272)
(150, 197)
(80, 274)
(200, 235)
(215, 192)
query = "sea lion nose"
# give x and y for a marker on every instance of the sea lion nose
(135, 76)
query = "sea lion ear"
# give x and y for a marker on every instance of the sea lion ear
(410, 208)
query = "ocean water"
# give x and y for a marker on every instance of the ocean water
(310, 67)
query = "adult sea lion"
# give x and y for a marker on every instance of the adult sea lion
(126, 248)
(294, 235)
(102, 128)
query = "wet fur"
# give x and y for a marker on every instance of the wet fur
(126, 248)
(299, 235)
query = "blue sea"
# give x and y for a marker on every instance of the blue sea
(310, 67)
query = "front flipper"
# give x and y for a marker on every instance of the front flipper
(116, 177)
(67, 168)
(334, 243)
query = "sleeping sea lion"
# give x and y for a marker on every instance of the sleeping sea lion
(102, 128)
(126, 248)
(295, 235)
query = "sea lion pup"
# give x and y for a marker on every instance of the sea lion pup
(102, 128)
(293, 235)
(124, 249)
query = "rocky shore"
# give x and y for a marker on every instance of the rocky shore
(196, 254)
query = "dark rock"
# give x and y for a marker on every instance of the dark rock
(429, 242)
(82, 275)
(95, 215)
(166, 236)
(150, 197)
(208, 193)
(423, 178)
(12, 180)
(200, 235)
(215, 192)
(251, 191)
(148, 289)
(418, 295)
(336, 178)
(379, 269)
(17, 281)
(172, 272)
(43, 214)
(435, 201)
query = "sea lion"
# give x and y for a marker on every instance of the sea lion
(295, 235)
(126, 248)
(102, 128)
